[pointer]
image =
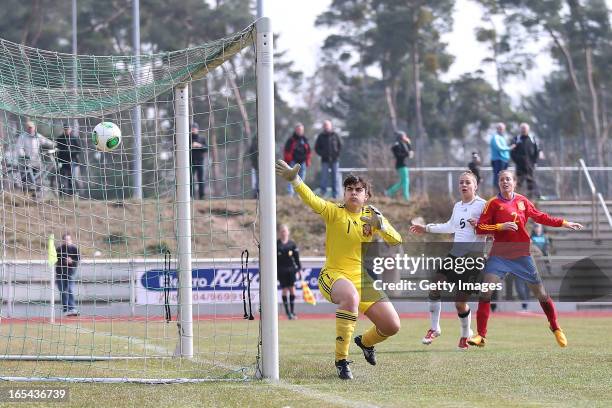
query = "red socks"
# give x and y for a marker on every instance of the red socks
(551, 313)
(484, 310)
(482, 316)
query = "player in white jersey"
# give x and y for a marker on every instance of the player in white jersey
(466, 244)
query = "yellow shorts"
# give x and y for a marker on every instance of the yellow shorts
(364, 285)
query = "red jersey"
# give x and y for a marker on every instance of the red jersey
(511, 244)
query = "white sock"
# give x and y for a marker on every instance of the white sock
(434, 312)
(465, 324)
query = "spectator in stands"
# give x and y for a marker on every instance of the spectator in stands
(199, 147)
(328, 146)
(297, 150)
(542, 242)
(254, 155)
(525, 155)
(474, 166)
(500, 152)
(28, 147)
(68, 155)
(288, 264)
(65, 270)
(402, 150)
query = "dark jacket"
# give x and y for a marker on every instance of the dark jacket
(68, 148)
(297, 150)
(63, 252)
(525, 154)
(401, 151)
(254, 153)
(197, 153)
(474, 167)
(288, 256)
(328, 146)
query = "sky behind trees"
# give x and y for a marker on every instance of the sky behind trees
(445, 70)
(294, 21)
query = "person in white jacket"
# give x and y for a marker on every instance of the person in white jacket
(466, 244)
(28, 148)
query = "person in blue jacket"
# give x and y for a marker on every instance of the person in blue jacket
(500, 152)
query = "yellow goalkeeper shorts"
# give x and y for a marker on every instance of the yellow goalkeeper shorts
(362, 282)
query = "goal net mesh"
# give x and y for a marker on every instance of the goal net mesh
(125, 284)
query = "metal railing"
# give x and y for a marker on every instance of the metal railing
(595, 197)
(555, 183)
(574, 182)
(605, 208)
(594, 212)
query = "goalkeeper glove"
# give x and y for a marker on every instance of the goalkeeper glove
(376, 220)
(288, 173)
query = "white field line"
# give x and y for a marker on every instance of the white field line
(300, 389)
(160, 351)
(322, 396)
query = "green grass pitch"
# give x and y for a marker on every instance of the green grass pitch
(521, 366)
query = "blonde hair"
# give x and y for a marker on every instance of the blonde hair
(470, 174)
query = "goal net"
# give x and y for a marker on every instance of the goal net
(166, 284)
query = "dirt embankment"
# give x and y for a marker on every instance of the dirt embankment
(133, 229)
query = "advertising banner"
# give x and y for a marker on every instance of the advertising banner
(213, 285)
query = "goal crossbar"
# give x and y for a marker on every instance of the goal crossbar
(175, 90)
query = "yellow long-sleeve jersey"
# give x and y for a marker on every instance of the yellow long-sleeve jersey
(345, 232)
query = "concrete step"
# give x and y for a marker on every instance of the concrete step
(569, 204)
(586, 233)
(587, 224)
(585, 220)
(587, 230)
(572, 210)
(584, 243)
(542, 203)
(578, 211)
(555, 234)
(579, 252)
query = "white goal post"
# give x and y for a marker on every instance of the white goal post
(107, 343)
(267, 250)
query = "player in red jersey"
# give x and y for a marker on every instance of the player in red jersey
(505, 217)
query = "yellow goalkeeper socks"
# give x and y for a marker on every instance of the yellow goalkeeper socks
(373, 336)
(345, 326)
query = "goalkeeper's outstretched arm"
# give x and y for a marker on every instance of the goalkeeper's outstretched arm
(318, 205)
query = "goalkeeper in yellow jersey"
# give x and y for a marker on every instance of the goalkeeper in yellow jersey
(348, 225)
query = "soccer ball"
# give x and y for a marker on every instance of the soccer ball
(106, 136)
